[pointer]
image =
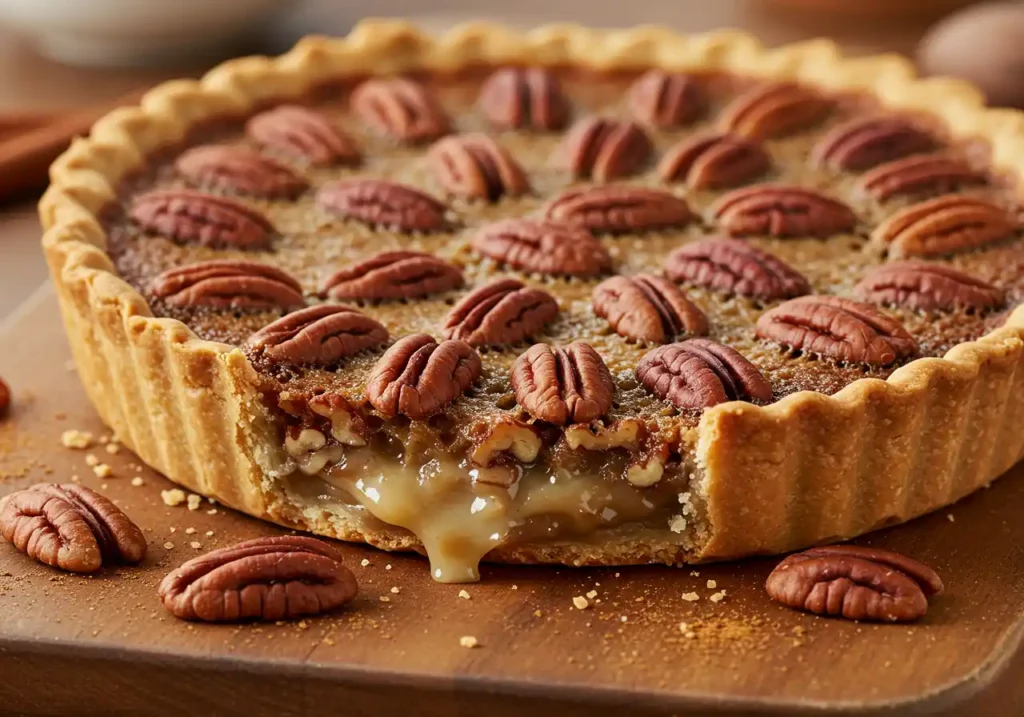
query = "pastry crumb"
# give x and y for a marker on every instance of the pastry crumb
(469, 641)
(190, 531)
(691, 597)
(194, 501)
(537, 613)
(718, 597)
(173, 497)
(580, 602)
(388, 566)
(677, 524)
(195, 545)
(76, 440)
(592, 594)
(113, 448)
(102, 470)
(464, 595)
(515, 587)
(396, 590)
(384, 598)
(364, 562)
(169, 545)
(209, 533)
(91, 460)
(712, 584)
(950, 517)
(137, 481)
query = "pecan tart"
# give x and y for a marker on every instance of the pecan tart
(573, 296)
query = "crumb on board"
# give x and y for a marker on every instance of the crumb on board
(580, 602)
(364, 562)
(173, 497)
(464, 595)
(194, 501)
(137, 481)
(168, 545)
(712, 584)
(102, 470)
(75, 439)
(469, 641)
(691, 597)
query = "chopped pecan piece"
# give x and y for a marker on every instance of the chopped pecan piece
(917, 175)
(236, 169)
(384, 204)
(714, 160)
(502, 312)
(524, 98)
(732, 266)
(188, 216)
(944, 225)
(318, 335)
(928, 287)
(303, 134)
(228, 284)
(620, 209)
(701, 373)
(70, 527)
(474, 166)
(782, 211)
(647, 308)
(273, 578)
(865, 142)
(394, 275)
(840, 329)
(417, 376)
(604, 149)
(563, 385)
(543, 247)
(667, 99)
(774, 110)
(401, 109)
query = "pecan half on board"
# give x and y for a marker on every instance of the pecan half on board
(228, 284)
(604, 149)
(399, 108)
(70, 527)
(543, 247)
(854, 582)
(928, 287)
(774, 110)
(262, 579)
(502, 312)
(303, 134)
(731, 266)
(648, 309)
(619, 209)
(944, 225)
(667, 99)
(782, 211)
(918, 175)
(701, 373)
(191, 217)
(474, 166)
(840, 329)
(524, 98)
(383, 204)
(317, 336)
(714, 160)
(418, 375)
(866, 142)
(393, 275)
(563, 385)
(239, 170)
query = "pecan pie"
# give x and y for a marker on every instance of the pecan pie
(573, 296)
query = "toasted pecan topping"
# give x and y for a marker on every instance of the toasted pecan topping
(604, 149)
(667, 99)
(714, 160)
(228, 284)
(304, 134)
(502, 312)
(928, 287)
(563, 385)
(385, 204)
(732, 266)
(918, 175)
(782, 211)
(524, 98)
(401, 109)
(188, 216)
(619, 209)
(474, 166)
(394, 275)
(944, 225)
(543, 247)
(647, 308)
(866, 142)
(239, 170)
(774, 110)
(318, 335)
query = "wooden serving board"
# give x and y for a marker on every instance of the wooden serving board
(104, 645)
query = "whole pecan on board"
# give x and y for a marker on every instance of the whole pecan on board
(474, 166)
(239, 170)
(394, 275)
(543, 247)
(563, 385)
(667, 99)
(228, 284)
(714, 160)
(400, 108)
(188, 216)
(782, 211)
(384, 204)
(647, 308)
(944, 225)
(866, 142)
(262, 579)
(502, 312)
(604, 149)
(773, 110)
(418, 375)
(854, 582)
(304, 134)
(619, 209)
(841, 329)
(918, 174)
(70, 527)
(928, 287)
(5, 398)
(731, 266)
(524, 98)
(700, 373)
(318, 335)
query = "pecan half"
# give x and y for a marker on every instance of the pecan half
(228, 284)
(188, 216)
(385, 204)
(304, 134)
(782, 211)
(714, 160)
(417, 376)
(262, 579)
(563, 385)
(239, 170)
(865, 142)
(928, 287)
(502, 312)
(774, 110)
(604, 149)
(944, 225)
(5, 398)
(619, 209)
(667, 99)
(917, 175)
(701, 373)
(647, 308)
(732, 266)
(70, 527)
(318, 335)
(394, 275)
(474, 166)
(524, 98)
(838, 328)
(855, 583)
(401, 109)
(544, 247)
